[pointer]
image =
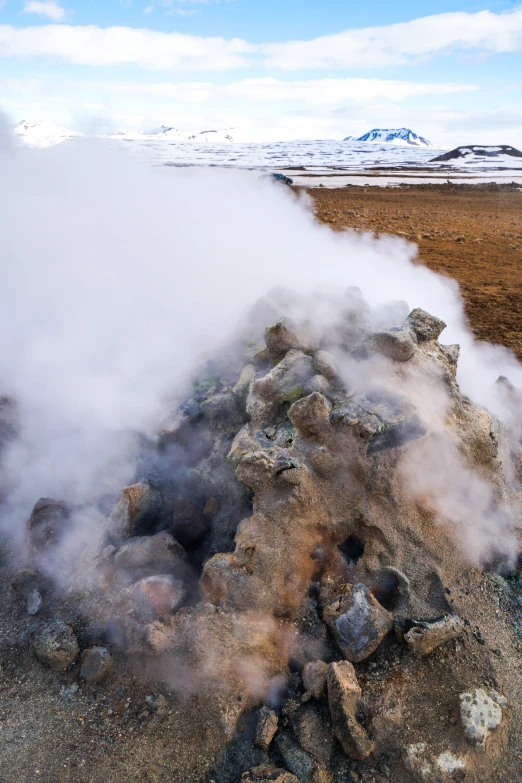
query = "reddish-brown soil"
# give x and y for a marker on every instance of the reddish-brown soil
(473, 235)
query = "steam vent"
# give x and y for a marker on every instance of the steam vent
(312, 576)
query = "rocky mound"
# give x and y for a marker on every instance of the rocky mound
(306, 546)
(478, 152)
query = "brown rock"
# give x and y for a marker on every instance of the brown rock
(56, 646)
(189, 524)
(268, 774)
(288, 334)
(423, 638)
(47, 523)
(343, 697)
(211, 508)
(157, 596)
(266, 728)
(97, 664)
(157, 554)
(358, 622)
(137, 506)
(314, 680)
(313, 730)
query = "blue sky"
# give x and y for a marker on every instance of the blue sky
(270, 70)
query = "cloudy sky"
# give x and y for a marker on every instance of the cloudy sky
(270, 69)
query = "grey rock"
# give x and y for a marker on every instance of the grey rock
(397, 343)
(157, 703)
(425, 326)
(56, 646)
(480, 714)
(47, 523)
(97, 664)
(286, 335)
(425, 637)
(344, 694)
(34, 602)
(242, 386)
(157, 554)
(266, 727)
(358, 622)
(223, 411)
(294, 757)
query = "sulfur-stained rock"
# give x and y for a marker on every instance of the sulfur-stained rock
(137, 507)
(397, 342)
(480, 714)
(266, 727)
(56, 645)
(358, 622)
(286, 335)
(97, 664)
(425, 326)
(314, 680)
(268, 774)
(425, 637)
(150, 555)
(344, 694)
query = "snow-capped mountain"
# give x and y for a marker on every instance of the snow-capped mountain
(175, 134)
(481, 153)
(393, 136)
(42, 134)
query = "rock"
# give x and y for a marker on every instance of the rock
(286, 382)
(311, 416)
(426, 768)
(34, 602)
(157, 703)
(480, 714)
(286, 335)
(397, 343)
(189, 524)
(156, 596)
(425, 637)
(358, 622)
(223, 412)
(295, 759)
(325, 364)
(314, 680)
(268, 774)
(136, 509)
(97, 664)
(47, 523)
(242, 386)
(211, 508)
(425, 326)
(266, 728)
(313, 730)
(157, 554)
(344, 694)
(56, 646)
(25, 581)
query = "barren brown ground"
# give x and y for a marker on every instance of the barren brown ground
(471, 234)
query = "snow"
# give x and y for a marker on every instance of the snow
(393, 136)
(167, 133)
(41, 134)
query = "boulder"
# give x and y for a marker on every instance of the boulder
(425, 637)
(425, 326)
(266, 728)
(189, 524)
(396, 342)
(150, 555)
(97, 664)
(480, 714)
(314, 680)
(47, 523)
(156, 596)
(56, 646)
(286, 335)
(344, 694)
(358, 622)
(136, 509)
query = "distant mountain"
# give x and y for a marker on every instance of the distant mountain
(479, 152)
(42, 134)
(393, 136)
(175, 134)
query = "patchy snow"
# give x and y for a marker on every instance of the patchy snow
(167, 133)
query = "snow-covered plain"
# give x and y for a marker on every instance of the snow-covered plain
(312, 163)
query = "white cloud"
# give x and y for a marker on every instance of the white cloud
(372, 47)
(48, 8)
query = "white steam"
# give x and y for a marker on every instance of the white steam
(117, 277)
